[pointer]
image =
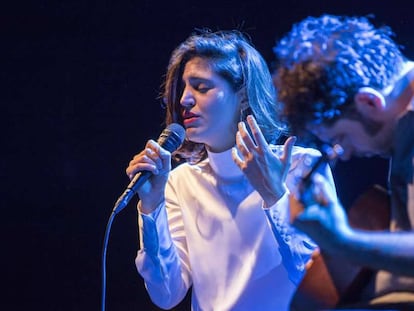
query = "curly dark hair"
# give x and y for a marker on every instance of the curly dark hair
(323, 61)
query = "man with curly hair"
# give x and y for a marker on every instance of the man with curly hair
(345, 81)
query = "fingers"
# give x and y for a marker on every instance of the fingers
(256, 132)
(287, 150)
(244, 139)
(247, 142)
(322, 192)
(311, 213)
(240, 142)
(153, 158)
(236, 158)
(286, 158)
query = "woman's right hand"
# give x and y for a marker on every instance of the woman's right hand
(156, 160)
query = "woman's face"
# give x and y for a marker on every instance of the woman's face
(210, 107)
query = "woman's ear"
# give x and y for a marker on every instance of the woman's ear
(369, 102)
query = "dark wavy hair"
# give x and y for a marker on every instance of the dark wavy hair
(232, 56)
(323, 61)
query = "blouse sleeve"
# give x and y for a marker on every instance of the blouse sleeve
(163, 264)
(295, 246)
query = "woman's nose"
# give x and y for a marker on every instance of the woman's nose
(187, 99)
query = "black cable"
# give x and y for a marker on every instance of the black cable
(103, 267)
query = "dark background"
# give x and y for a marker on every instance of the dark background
(79, 87)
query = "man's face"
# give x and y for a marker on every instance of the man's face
(354, 138)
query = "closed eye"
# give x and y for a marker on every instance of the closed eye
(202, 87)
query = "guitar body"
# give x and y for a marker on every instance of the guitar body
(330, 282)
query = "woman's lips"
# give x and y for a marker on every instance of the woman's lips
(188, 121)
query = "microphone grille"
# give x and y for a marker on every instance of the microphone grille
(172, 137)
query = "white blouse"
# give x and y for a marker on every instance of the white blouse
(213, 234)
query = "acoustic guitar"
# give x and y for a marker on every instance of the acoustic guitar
(331, 282)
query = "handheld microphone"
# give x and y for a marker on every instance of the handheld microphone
(329, 153)
(170, 139)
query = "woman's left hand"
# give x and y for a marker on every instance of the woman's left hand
(265, 170)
